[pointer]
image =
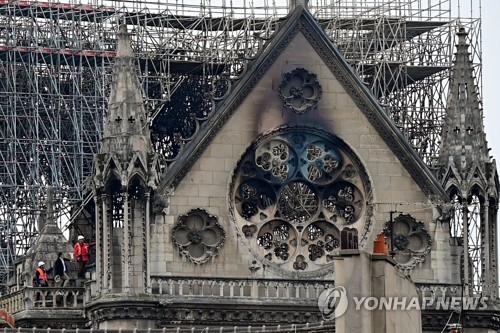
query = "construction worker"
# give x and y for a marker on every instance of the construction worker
(81, 251)
(41, 275)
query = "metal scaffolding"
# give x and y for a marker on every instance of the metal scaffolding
(55, 66)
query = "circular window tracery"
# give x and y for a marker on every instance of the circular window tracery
(292, 193)
(322, 162)
(198, 236)
(297, 202)
(276, 159)
(256, 200)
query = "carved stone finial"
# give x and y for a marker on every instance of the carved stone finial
(124, 49)
(125, 133)
(298, 3)
(50, 205)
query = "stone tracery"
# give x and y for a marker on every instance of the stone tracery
(410, 241)
(292, 193)
(198, 236)
(300, 90)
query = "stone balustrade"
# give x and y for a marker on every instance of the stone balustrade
(436, 291)
(308, 291)
(13, 302)
(38, 298)
(441, 296)
(305, 290)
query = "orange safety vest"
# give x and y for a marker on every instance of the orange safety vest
(82, 250)
(43, 274)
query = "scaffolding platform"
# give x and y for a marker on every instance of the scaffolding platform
(56, 63)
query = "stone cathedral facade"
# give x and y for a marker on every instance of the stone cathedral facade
(281, 195)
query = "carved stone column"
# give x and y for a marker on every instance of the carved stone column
(147, 241)
(98, 239)
(485, 249)
(106, 238)
(493, 218)
(126, 245)
(465, 255)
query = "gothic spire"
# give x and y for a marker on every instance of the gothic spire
(126, 117)
(464, 146)
(124, 178)
(50, 240)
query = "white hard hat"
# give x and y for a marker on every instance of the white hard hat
(81, 237)
(41, 263)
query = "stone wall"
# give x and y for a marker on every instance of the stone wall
(206, 184)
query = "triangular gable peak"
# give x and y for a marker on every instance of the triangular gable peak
(112, 165)
(302, 21)
(453, 178)
(137, 166)
(476, 176)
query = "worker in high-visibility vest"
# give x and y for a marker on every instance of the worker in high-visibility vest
(41, 275)
(81, 252)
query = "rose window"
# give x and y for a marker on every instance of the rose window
(297, 202)
(198, 236)
(275, 159)
(292, 193)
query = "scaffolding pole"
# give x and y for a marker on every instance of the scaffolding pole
(55, 69)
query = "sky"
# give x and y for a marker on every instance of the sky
(491, 74)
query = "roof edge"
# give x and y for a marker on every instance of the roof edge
(301, 20)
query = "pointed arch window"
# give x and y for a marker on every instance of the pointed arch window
(136, 189)
(456, 222)
(117, 209)
(136, 193)
(466, 231)
(116, 202)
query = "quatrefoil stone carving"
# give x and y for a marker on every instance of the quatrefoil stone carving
(300, 90)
